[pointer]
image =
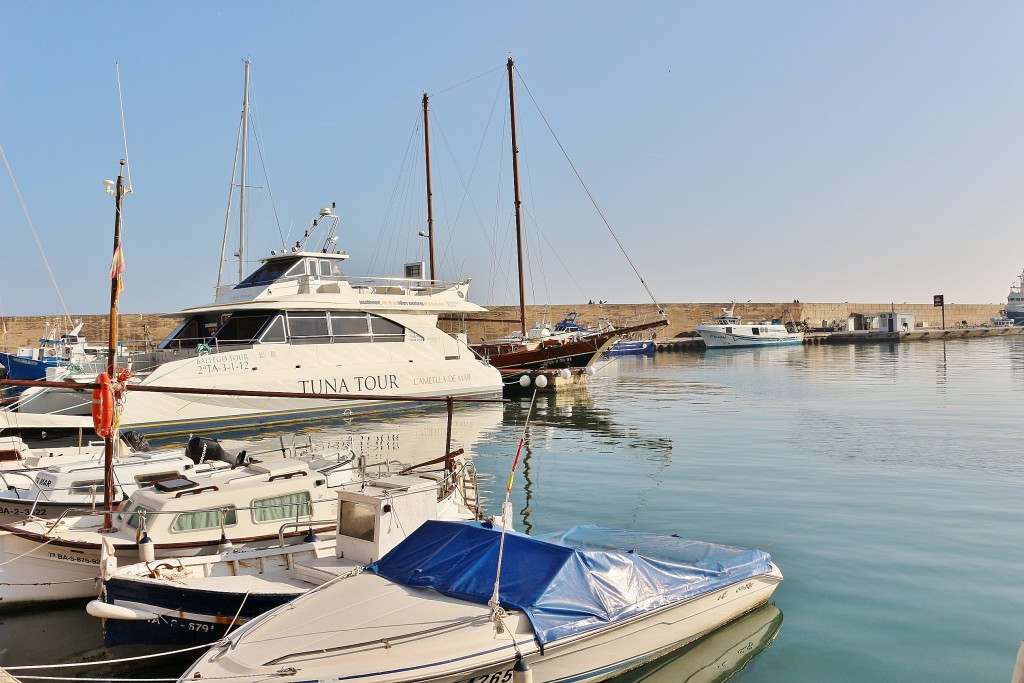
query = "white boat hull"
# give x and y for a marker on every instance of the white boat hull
(313, 370)
(743, 335)
(382, 633)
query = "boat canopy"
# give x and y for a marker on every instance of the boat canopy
(569, 582)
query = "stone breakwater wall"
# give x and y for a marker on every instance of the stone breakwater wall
(133, 328)
(684, 317)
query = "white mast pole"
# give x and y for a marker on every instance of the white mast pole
(241, 190)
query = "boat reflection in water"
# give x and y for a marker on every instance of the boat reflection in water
(717, 656)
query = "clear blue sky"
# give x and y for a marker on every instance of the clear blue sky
(826, 151)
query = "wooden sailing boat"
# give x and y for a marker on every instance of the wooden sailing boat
(520, 352)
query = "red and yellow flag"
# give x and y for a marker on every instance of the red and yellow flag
(116, 268)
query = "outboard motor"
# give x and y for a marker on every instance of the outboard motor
(137, 440)
(202, 449)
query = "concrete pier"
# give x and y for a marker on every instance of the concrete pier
(865, 337)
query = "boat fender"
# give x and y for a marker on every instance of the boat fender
(225, 546)
(103, 406)
(521, 672)
(103, 610)
(147, 549)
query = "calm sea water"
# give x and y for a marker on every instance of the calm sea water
(885, 480)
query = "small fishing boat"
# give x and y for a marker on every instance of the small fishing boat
(257, 504)
(585, 604)
(729, 331)
(186, 601)
(59, 351)
(632, 347)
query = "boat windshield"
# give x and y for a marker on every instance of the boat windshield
(269, 272)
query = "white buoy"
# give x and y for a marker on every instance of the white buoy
(541, 381)
(524, 381)
(564, 373)
(590, 370)
(521, 672)
(147, 549)
(225, 546)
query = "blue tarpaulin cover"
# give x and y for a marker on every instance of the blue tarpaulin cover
(568, 582)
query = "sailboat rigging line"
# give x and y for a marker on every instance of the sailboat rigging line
(124, 130)
(593, 201)
(392, 202)
(263, 164)
(35, 236)
(468, 80)
(231, 194)
(506, 513)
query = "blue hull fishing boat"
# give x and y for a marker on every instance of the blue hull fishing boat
(628, 347)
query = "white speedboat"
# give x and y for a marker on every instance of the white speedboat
(298, 325)
(59, 559)
(187, 601)
(581, 605)
(729, 331)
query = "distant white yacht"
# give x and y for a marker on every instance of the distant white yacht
(728, 331)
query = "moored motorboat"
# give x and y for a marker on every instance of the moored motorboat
(59, 559)
(632, 347)
(730, 331)
(188, 601)
(66, 485)
(582, 605)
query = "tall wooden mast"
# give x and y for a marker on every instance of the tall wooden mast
(515, 184)
(430, 194)
(115, 292)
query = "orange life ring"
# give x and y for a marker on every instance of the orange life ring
(103, 406)
(52, 352)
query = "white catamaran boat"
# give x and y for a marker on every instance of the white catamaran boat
(728, 330)
(298, 325)
(580, 605)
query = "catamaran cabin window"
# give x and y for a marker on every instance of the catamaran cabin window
(329, 269)
(385, 330)
(350, 327)
(204, 519)
(195, 330)
(308, 328)
(357, 520)
(242, 328)
(290, 506)
(275, 332)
